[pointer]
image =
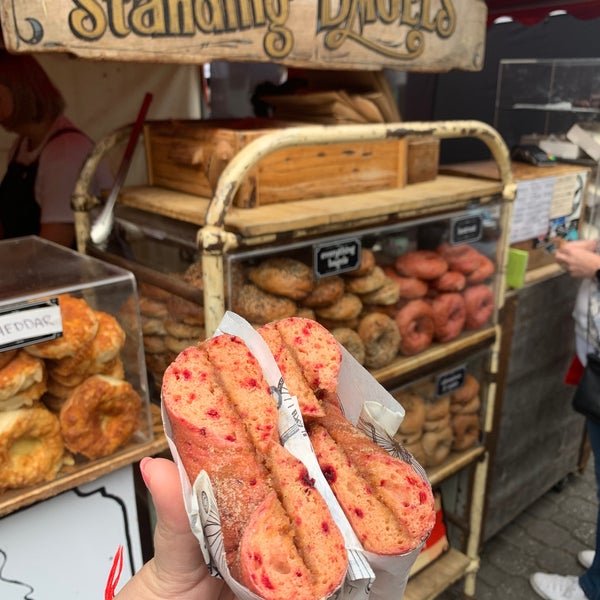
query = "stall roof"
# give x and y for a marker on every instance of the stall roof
(530, 13)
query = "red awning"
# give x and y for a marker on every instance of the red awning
(530, 13)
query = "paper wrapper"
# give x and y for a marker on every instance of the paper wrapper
(369, 575)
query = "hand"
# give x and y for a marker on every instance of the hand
(579, 258)
(177, 569)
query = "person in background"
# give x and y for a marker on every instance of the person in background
(46, 157)
(177, 569)
(581, 259)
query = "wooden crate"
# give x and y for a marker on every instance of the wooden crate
(189, 156)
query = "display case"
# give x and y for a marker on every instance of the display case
(74, 399)
(199, 252)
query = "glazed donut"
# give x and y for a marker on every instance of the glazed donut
(366, 283)
(468, 390)
(466, 430)
(422, 264)
(484, 270)
(436, 446)
(438, 424)
(258, 306)
(479, 303)
(99, 416)
(381, 337)
(449, 315)
(79, 326)
(387, 295)
(349, 306)
(409, 288)
(351, 341)
(437, 408)
(283, 276)
(367, 263)
(31, 447)
(472, 406)
(414, 407)
(450, 281)
(326, 291)
(416, 324)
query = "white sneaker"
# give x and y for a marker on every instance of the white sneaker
(586, 558)
(557, 587)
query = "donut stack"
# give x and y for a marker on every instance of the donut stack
(434, 426)
(53, 392)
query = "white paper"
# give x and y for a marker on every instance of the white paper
(531, 209)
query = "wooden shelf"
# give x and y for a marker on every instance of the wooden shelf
(72, 476)
(439, 575)
(453, 464)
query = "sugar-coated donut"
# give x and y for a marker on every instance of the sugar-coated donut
(449, 315)
(450, 281)
(423, 264)
(364, 284)
(414, 407)
(350, 339)
(381, 337)
(31, 447)
(367, 263)
(99, 416)
(349, 306)
(468, 390)
(409, 288)
(416, 324)
(326, 291)
(283, 276)
(479, 303)
(465, 430)
(258, 306)
(436, 446)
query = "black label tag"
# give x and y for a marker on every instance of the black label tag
(466, 229)
(336, 257)
(449, 381)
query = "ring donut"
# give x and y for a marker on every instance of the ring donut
(449, 315)
(283, 276)
(450, 281)
(258, 306)
(416, 451)
(484, 270)
(466, 430)
(367, 263)
(349, 306)
(438, 408)
(414, 408)
(99, 416)
(472, 406)
(422, 264)
(31, 447)
(438, 424)
(410, 288)
(462, 257)
(351, 341)
(468, 390)
(406, 439)
(479, 303)
(415, 321)
(326, 291)
(387, 295)
(366, 283)
(436, 446)
(381, 338)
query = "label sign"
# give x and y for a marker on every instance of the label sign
(447, 382)
(367, 35)
(30, 324)
(338, 257)
(464, 230)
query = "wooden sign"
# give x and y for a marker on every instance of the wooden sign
(408, 35)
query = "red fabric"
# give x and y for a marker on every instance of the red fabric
(114, 575)
(574, 372)
(532, 12)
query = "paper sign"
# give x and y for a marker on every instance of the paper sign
(531, 209)
(30, 324)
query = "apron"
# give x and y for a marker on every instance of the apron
(20, 213)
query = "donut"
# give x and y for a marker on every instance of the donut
(99, 416)
(449, 315)
(450, 281)
(381, 337)
(283, 276)
(472, 406)
(438, 424)
(436, 446)
(326, 291)
(415, 320)
(405, 439)
(179, 329)
(387, 295)
(79, 326)
(150, 307)
(422, 264)
(31, 447)
(186, 311)
(332, 324)
(414, 407)
(367, 263)
(153, 291)
(465, 430)
(21, 372)
(437, 408)
(462, 257)
(258, 306)
(154, 344)
(306, 313)
(409, 288)
(479, 304)
(364, 284)
(349, 306)
(26, 397)
(193, 275)
(416, 451)
(468, 390)
(484, 270)
(350, 339)
(6, 356)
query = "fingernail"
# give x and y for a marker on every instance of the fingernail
(143, 464)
